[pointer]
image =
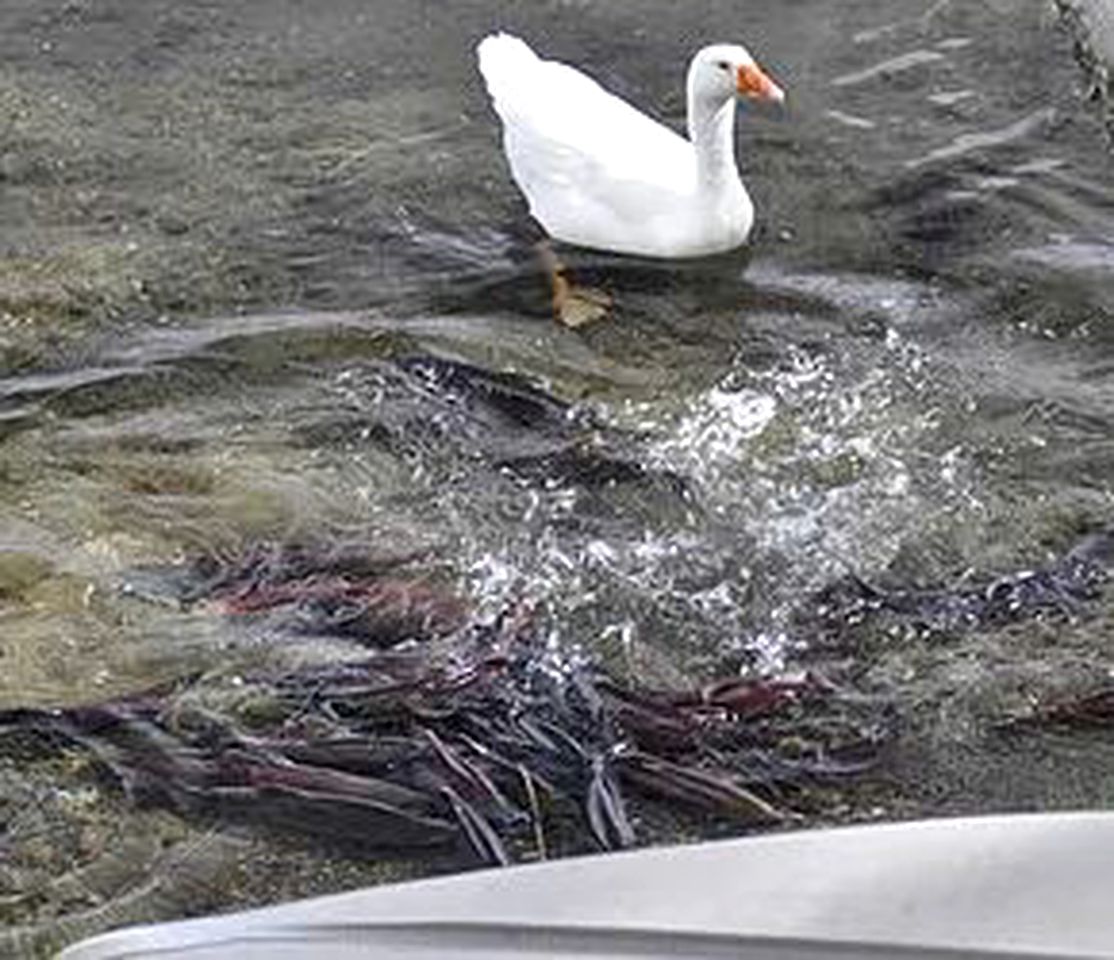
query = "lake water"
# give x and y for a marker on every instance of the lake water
(266, 278)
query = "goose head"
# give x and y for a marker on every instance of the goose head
(724, 71)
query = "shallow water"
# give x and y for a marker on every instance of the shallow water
(265, 277)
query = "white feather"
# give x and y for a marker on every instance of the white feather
(598, 173)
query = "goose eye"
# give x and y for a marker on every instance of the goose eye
(723, 65)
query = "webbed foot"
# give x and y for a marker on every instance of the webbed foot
(573, 305)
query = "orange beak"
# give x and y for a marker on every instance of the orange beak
(751, 81)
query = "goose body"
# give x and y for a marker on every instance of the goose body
(598, 173)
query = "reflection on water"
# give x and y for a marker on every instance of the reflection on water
(910, 379)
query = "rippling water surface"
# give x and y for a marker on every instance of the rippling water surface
(266, 279)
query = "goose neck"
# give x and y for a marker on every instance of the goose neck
(712, 132)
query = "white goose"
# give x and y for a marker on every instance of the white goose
(598, 173)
